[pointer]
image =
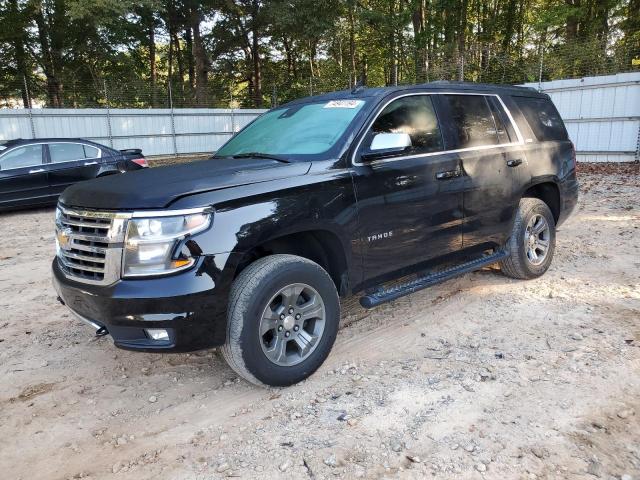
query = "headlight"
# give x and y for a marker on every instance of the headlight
(150, 243)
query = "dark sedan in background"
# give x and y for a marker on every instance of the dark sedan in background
(35, 172)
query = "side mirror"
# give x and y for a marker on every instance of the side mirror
(387, 144)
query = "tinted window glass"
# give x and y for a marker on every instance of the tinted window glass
(501, 121)
(543, 118)
(303, 129)
(497, 106)
(472, 120)
(21, 157)
(415, 116)
(66, 152)
(90, 152)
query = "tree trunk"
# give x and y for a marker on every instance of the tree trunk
(365, 71)
(188, 40)
(257, 66)
(250, 88)
(462, 37)
(631, 27)
(420, 40)
(200, 59)
(287, 49)
(393, 55)
(601, 24)
(485, 36)
(153, 74)
(520, 23)
(313, 54)
(50, 57)
(180, 62)
(572, 21)
(18, 48)
(170, 58)
(510, 22)
(352, 44)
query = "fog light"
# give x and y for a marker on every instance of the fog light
(157, 333)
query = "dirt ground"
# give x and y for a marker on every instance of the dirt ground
(480, 377)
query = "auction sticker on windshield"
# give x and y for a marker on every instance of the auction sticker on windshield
(343, 104)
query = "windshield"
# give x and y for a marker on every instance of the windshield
(304, 129)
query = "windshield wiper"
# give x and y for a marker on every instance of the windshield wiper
(261, 155)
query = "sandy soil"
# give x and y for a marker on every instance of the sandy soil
(479, 377)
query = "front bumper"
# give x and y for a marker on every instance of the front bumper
(191, 306)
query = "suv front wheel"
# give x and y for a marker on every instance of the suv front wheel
(283, 318)
(532, 242)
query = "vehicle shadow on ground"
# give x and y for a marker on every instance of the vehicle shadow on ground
(26, 211)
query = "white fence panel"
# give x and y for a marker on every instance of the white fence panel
(155, 131)
(602, 115)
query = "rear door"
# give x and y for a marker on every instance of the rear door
(70, 163)
(409, 204)
(489, 149)
(23, 179)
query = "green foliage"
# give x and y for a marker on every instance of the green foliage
(264, 52)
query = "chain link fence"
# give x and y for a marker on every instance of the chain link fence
(481, 62)
(122, 102)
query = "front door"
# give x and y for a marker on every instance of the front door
(23, 179)
(409, 203)
(71, 163)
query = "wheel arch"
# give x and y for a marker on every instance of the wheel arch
(321, 246)
(106, 170)
(548, 191)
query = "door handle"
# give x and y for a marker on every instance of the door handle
(86, 164)
(37, 170)
(448, 174)
(514, 163)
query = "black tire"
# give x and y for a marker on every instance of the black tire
(518, 264)
(251, 292)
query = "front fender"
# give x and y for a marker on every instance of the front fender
(324, 202)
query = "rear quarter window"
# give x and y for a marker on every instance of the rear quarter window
(543, 118)
(90, 152)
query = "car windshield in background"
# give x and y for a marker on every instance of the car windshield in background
(305, 129)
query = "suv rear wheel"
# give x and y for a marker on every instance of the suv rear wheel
(282, 321)
(532, 242)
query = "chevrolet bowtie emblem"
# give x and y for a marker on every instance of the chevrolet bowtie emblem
(64, 237)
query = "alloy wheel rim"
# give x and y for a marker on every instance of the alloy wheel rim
(536, 239)
(292, 324)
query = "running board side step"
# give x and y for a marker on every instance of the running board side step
(392, 293)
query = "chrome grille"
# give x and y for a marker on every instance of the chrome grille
(89, 244)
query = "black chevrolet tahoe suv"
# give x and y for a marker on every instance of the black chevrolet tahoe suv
(375, 192)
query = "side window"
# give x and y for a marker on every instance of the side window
(543, 118)
(66, 152)
(21, 157)
(472, 120)
(505, 130)
(91, 152)
(415, 116)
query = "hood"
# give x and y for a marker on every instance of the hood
(158, 187)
